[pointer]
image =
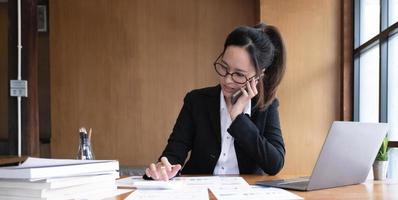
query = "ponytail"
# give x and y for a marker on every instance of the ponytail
(274, 73)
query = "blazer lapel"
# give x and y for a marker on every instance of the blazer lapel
(254, 111)
(214, 112)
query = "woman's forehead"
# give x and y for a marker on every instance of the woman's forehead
(238, 58)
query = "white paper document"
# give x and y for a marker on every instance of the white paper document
(252, 193)
(183, 182)
(139, 183)
(192, 188)
(210, 181)
(175, 194)
(196, 188)
(128, 181)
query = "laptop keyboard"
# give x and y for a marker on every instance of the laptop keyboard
(300, 183)
(296, 183)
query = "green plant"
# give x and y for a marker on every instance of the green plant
(382, 155)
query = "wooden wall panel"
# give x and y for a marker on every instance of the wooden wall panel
(310, 93)
(123, 68)
(347, 61)
(44, 86)
(4, 91)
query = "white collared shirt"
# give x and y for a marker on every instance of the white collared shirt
(227, 162)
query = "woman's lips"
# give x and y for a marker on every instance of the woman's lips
(229, 89)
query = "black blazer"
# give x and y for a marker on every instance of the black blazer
(258, 140)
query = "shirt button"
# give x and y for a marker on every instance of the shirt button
(223, 154)
(222, 168)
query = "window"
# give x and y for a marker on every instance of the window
(393, 100)
(376, 67)
(369, 19)
(392, 12)
(369, 85)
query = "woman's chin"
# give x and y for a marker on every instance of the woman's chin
(226, 94)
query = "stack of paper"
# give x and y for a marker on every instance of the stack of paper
(38, 178)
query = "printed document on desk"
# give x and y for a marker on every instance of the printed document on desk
(192, 188)
(139, 183)
(252, 193)
(176, 194)
(211, 181)
(180, 182)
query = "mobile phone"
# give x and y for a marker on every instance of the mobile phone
(238, 93)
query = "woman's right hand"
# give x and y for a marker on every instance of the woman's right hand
(162, 170)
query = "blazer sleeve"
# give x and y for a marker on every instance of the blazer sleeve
(265, 148)
(181, 139)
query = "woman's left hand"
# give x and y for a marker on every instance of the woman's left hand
(247, 95)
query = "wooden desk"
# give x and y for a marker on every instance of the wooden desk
(369, 190)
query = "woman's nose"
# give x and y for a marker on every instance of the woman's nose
(228, 78)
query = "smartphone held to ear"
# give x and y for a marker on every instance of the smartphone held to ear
(237, 94)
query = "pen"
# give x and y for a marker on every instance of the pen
(89, 134)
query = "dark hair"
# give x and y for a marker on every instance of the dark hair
(266, 49)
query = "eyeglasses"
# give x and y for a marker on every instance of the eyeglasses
(222, 70)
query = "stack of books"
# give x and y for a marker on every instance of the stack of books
(38, 178)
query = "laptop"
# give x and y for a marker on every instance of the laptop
(345, 159)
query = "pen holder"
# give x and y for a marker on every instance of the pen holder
(85, 150)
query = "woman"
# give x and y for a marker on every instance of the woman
(224, 136)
